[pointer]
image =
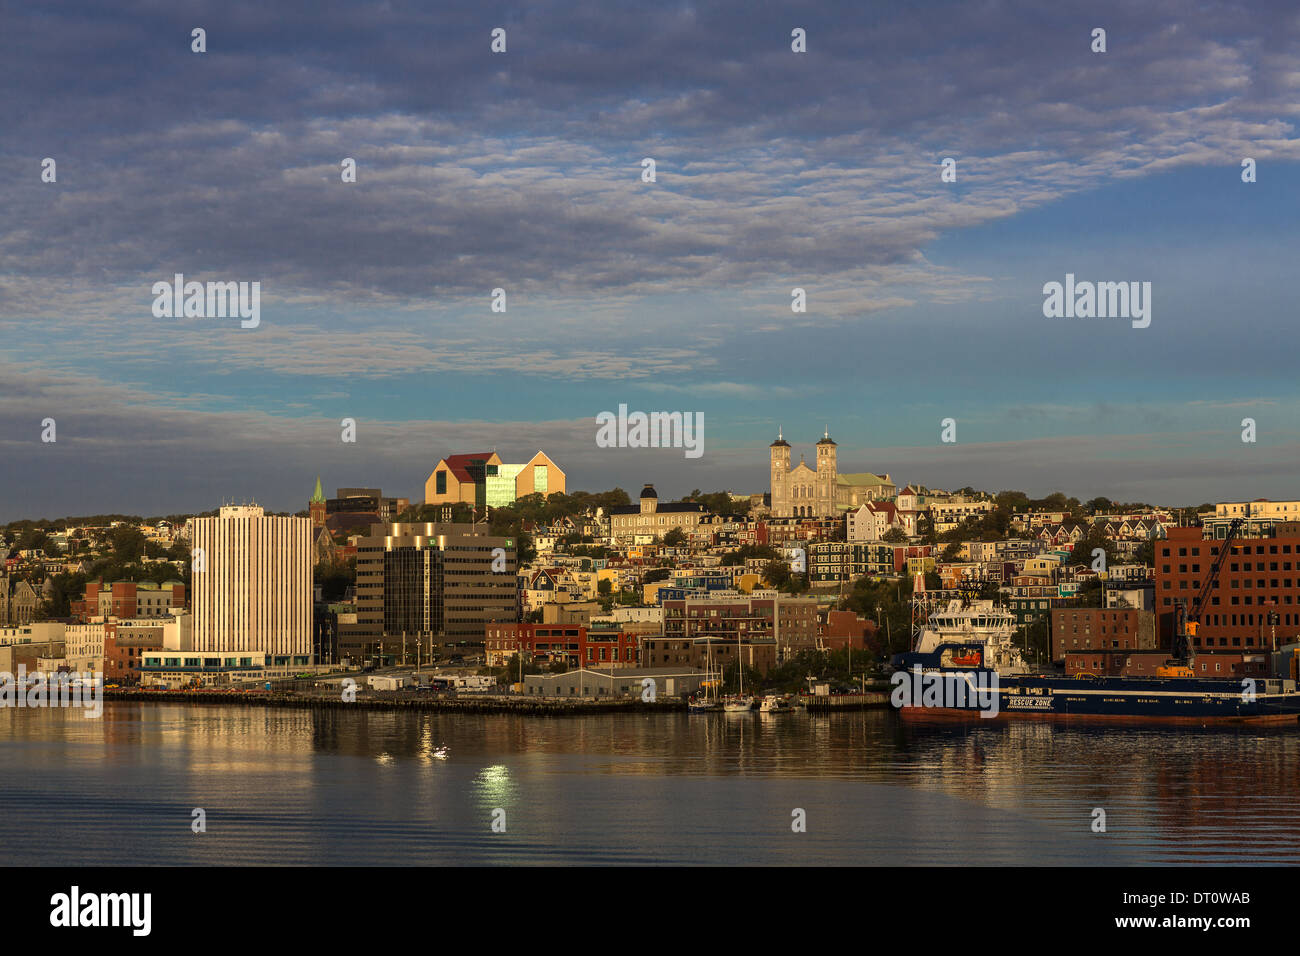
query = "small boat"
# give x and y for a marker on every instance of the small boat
(738, 703)
(774, 704)
(706, 701)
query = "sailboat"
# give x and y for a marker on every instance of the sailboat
(707, 698)
(739, 703)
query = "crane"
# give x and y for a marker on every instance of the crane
(1187, 619)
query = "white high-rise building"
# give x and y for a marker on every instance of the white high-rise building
(252, 583)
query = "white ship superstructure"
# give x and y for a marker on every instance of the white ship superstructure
(976, 622)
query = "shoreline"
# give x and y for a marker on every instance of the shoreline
(535, 706)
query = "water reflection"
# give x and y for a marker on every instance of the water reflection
(297, 786)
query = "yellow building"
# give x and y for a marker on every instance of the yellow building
(483, 479)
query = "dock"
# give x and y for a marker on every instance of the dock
(451, 704)
(839, 703)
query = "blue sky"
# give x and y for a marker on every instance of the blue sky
(522, 171)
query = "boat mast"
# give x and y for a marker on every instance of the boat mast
(740, 666)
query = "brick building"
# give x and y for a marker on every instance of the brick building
(1255, 600)
(789, 622)
(129, 599)
(575, 645)
(1076, 629)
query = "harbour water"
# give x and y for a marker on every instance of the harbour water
(375, 788)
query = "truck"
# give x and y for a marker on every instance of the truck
(389, 681)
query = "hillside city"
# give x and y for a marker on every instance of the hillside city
(500, 577)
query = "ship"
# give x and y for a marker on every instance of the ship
(941, 685)
(981, 626)
(963, 665)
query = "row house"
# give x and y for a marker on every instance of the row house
(913, 558)
(552, 584)
(950, 511)
(1062, 534)
(954, 574)
(1028, 598)
(842, 561)
(872, 521)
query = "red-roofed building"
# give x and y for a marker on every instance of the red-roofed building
(479, 479)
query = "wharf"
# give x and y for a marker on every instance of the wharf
(837, 703)
(454, 704)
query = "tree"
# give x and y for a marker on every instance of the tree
(776, 573)
(894, 536)
(951, 552)
(604, 587)
(747, 551)
(1012, 500)
(335, 579)
(719, 502)
(128, 543)
(655, 574)
(1090, 593)
(66, 589)
(32, 539)
(925, 528)
(1094, 539)
(675, 537)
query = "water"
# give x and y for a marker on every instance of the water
(373, 788)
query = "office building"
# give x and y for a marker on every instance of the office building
(252, 587)
(429, 587)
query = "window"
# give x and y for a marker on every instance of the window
(440, 483)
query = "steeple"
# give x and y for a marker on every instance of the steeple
(318, 496)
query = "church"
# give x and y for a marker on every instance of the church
(18, 601)
(803, 492)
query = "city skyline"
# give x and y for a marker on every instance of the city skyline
(522, 170)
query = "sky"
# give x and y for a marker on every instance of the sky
(522, 171)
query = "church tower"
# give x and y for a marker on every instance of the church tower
(826, 475)
(780, 454)
(316, 507)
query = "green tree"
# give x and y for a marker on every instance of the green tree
(776, 573)
(128, 543)
(66, 589)
(335, 579)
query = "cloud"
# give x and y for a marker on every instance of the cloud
(522, 171)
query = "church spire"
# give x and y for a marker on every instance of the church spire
(318, 496)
